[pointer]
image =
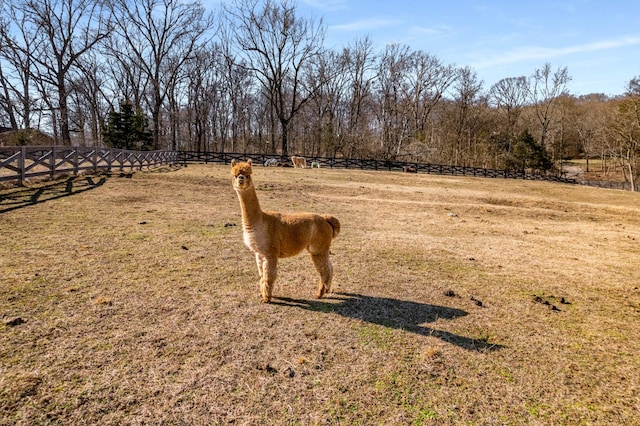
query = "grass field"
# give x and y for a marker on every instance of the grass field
(131, 299)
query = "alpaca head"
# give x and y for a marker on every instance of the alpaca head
(241, 172)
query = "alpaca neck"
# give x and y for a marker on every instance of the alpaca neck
(251, 212)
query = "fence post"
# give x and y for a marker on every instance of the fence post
(52, 163)
(109, 157)
(76, 160)
(21, 165)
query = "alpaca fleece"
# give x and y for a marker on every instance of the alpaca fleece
(273, 235)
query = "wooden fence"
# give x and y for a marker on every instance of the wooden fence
(186, 157)
(20, 163)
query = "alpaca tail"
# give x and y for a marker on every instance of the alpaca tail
(334, 222)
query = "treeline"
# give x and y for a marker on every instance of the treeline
(254, 76)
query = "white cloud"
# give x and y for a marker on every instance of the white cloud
(326, 5)
(366, 24)
(419, 31)
(535, 52)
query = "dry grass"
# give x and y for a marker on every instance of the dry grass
(134, 301)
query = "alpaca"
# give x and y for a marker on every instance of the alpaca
(299, 162)
(273, 235)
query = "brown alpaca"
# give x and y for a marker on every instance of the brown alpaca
(272, 235)
(299, 162)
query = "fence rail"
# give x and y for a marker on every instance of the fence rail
(185, 157)
(20, 163)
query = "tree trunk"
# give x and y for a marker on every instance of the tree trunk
(9, 106)
(64, 119)
(285, 133)
(631, 172)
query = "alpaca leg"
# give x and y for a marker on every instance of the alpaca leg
(259, 263)
(268, 277)
(325, 269)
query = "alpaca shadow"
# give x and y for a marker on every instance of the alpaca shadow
(25, 197)
(393, 313)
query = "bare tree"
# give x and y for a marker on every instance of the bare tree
(361, 73)
(466, 96)
(14, 69)
(410, 85)
(633, 87)
(125, 78)
(626, 132)
(17, 46)
(545, 91)
(323, 123)
(159, 36)
(7, 103)
(508, 96)
(224, 100)
(392, 105)
(93, 94)
(201, 91)
(427, 81)
(63, 31)
(278, 47)
(237, 83)
(592, 116)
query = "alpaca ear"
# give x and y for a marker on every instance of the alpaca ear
(249, 161)
(233, 162)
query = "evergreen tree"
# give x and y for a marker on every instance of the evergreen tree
(127, 129)
(527, 154)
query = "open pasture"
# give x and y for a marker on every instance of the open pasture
(131, 299)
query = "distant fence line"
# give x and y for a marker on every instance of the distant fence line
(20, 163)
(186, 157)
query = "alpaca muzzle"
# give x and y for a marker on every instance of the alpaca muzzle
(241, 182)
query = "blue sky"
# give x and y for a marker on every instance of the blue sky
(598, 41)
